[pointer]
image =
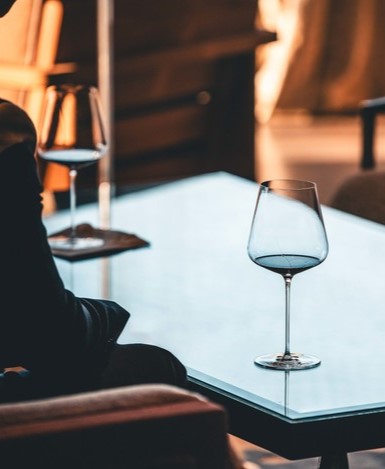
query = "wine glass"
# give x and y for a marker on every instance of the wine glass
(287, 237)
(72, 135)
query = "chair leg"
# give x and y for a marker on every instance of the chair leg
(368, 121)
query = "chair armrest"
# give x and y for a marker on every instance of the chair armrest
(21, 77)
(147, 426)
(27, 77)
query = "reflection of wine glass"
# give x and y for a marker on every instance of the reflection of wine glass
(287, 237)
(72, 135)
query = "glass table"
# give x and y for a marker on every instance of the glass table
(195, 292)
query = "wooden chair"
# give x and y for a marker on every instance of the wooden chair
(30, 35)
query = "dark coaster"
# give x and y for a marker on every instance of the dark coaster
(114, 242)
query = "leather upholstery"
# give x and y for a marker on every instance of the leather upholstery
(146, 426)
(363, 195)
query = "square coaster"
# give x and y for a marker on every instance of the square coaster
(114, 242)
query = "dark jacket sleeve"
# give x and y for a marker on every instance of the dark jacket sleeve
(41, 323)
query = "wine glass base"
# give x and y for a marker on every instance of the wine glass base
(287, 362)
(75, 243)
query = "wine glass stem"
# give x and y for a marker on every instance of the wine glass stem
(288, 279)
(73, 173)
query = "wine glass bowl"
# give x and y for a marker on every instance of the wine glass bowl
(287, 237)
(72, 134)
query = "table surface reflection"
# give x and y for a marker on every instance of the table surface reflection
(195, 292)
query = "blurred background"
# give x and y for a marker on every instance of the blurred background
(327, 59)
(263, 89)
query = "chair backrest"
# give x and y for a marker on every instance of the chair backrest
(31, 32)
(19, 32)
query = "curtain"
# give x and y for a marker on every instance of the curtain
(336, 58)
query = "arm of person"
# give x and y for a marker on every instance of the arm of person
(42, 324)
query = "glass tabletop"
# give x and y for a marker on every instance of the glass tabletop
(195, 292)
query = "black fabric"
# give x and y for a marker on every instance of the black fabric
(41, 323)
(125, 365)
(5, 6)
(63, 341)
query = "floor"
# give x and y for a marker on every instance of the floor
(254, 457)
(323, 149)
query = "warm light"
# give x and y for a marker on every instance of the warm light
(282, 17)
(48, 40)
(66, 132)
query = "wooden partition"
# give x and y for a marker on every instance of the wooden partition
(183, 84)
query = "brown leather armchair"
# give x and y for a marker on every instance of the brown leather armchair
(363, 193)
(139, 427)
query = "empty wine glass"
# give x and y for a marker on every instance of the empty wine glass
(287, 237)
(72, 135)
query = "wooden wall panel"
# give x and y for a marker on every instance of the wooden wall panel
(184, 83)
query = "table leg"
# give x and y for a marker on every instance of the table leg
(334, 461)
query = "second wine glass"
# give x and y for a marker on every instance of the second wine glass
(72, 134)
(287, 237)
